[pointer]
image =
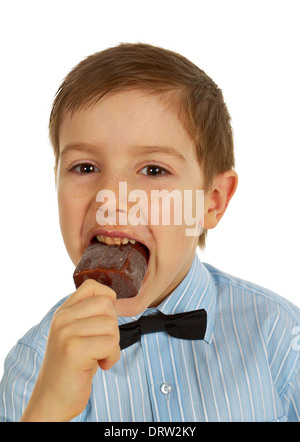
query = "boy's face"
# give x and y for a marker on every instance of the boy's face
(135, 138)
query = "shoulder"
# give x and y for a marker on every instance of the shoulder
(264, 328)
(21, 369)
(238, 288)
(36, 337)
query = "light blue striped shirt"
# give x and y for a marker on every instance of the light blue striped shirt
(246, 369)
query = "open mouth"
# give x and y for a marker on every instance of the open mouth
(111, 240)
(118, 262)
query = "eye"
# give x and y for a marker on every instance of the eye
(153, 171)
(84, 169)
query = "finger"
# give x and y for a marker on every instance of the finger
(106, 364)
(100, 305)
(97, 306)
(110, 361)
(95, 326)
(105, 350)
(88, 289)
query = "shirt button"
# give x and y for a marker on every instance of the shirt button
(166, 388)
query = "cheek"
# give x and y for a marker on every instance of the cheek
(173, 245)
(72, 210)
(173, 257)
(71, 201)
(69, 206)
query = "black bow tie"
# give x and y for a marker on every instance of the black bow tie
(189, 325)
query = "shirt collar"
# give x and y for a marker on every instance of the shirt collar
(196, 291)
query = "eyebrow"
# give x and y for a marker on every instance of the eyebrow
(80, 147)
(137, 151)
(167, 150)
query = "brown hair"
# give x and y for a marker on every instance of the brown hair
(199, 101)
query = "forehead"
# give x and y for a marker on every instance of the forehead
(128, 117)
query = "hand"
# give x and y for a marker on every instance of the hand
(83, 335)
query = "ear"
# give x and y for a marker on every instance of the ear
(217, 199)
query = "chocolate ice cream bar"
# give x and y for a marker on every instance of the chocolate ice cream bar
(121, 267)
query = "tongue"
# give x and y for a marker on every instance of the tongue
(121, 267)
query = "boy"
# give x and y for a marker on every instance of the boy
(147, 117)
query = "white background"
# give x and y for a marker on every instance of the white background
(250, 49)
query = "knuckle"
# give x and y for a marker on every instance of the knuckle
(56, 323)
(61, 337)
(59, 320)
(112, 326)
(112, 345)
(104, 305)
(94, 285)
(95, 288)
(89, 283)
(110, 292)
(61, 332)
(70, 348)
(105, 300)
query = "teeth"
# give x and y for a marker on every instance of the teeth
(110, 240)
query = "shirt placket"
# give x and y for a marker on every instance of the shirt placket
(161, 378)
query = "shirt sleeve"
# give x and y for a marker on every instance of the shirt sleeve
(21, 370)
(291, 399)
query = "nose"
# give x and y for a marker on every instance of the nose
(113, 205)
